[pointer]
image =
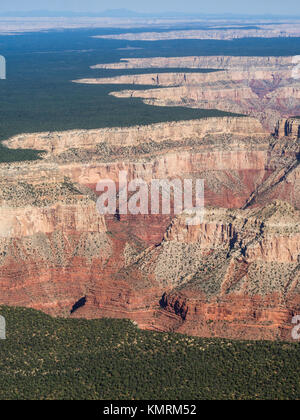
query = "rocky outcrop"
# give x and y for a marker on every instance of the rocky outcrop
(202, 62)
(237, 316)
(56, 143)
(288, 128)
(48, 254)
(241, 278)
(193, 79)
(234, 275)
(261, 31)
(284, 182)
(233, 166)
(212, 279)
(264, 87)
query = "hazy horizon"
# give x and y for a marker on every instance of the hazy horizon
(215, 7)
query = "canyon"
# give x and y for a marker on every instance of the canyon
(235, 275)
(267, 88)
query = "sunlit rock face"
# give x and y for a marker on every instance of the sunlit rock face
(267, 88)
(234, 275)
(260, 31)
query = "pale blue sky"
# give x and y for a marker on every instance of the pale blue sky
(289, 7)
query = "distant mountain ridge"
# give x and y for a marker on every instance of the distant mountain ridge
(66, 13)
(126, 13)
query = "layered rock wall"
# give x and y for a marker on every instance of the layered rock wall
(59, 142)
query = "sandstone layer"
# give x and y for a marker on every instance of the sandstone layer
(260, 31)
(267, 88)
(234, 275)
(58, 142)
(201, 62)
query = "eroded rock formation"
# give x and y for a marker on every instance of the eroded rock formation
(234, 275)
(267, 88)
(288, 128)
(173, 132)
(260, 31)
